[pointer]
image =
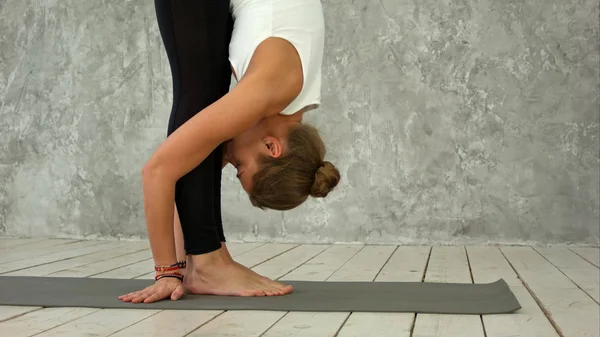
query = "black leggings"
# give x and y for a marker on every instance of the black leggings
(196, 35)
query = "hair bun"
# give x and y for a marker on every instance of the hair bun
(326, 178)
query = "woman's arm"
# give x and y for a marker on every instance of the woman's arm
(185, 149)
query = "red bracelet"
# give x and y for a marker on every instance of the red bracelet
(175, 275)
(173, 267)
(165, 269)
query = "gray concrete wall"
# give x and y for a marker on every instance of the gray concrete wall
(463, 121)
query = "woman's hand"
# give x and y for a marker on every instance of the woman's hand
(163, 288)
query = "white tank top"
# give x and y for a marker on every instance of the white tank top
(300, 22)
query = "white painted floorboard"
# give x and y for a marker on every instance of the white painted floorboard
(582, 273)
(13, 242)
(488, 265)
(36, 249)
(10, 312)
(572, 310)
(562, 280)
(182, 323)
(590, 254)
(76, 249)
(114, 249)
(100, 323)
(42, 320)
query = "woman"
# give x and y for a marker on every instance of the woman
(275, 50)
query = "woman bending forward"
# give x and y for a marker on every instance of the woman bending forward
(274, 49)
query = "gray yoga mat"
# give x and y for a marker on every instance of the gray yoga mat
(442, 298)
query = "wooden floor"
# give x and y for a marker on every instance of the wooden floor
(558, 289)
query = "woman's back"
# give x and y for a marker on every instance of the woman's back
(300, 22)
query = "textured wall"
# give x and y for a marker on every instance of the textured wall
(450, 121)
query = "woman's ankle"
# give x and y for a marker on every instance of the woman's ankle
(208, 260)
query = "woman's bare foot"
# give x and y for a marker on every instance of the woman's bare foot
(225, 253)
(216, 273)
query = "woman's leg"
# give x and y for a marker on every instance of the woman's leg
(218, 169)
(179, 246)
(194, 34)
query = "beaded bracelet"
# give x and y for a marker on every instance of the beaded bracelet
(174, 275)
(173, 267)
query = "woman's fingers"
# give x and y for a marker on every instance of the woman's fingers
(147, 294)
(124, 297)
(129, 296)
(177, 293)
(153, 297)
(139, 298)
(134, 295)
(153, 294)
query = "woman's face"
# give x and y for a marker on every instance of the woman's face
(245, 151)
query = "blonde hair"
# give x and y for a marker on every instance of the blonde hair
(285, 182)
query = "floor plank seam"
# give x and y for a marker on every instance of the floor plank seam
(272, 257)
(337, 332)
(44, 247)
(534, 296)
(567, 276)
(298, 266)
(75, 241)
(412, 325)
(22, 244)
(135, 277)
(473, 281)
(67, 322)
(121, 266)
(345, 262)
(414, 320)
(21, 314)
(135, 322)
(469, 265)
(54, 261)
(63, 243)
(251, 249)
(583, 257)
(87, 264)
(305, 262)
(272, 325)
(385, 263)
(205, 323)
(426, 264)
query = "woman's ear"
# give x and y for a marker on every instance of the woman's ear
(273, 146)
